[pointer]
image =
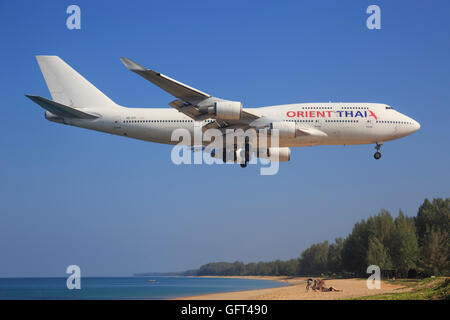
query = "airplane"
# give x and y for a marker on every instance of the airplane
(75, 101)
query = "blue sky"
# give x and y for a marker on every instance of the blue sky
(115, 206)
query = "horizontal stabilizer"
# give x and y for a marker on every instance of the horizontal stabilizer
(59, 109)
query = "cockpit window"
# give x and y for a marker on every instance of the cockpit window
(387, 108)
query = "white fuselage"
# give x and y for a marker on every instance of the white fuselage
(343, 123)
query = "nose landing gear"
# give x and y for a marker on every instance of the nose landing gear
(377, 154)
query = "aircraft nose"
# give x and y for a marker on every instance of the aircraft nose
(411, 126)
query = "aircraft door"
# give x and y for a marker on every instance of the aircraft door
(118, 126)
(197, 134)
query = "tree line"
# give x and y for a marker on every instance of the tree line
(401, 246)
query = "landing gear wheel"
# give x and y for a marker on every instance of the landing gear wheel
(377, 154)
(246, 152)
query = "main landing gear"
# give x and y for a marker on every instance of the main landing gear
(246, 153)
(377, 154)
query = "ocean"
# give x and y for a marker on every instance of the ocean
(93, 288)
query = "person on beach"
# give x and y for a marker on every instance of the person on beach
(314, 287)
(309, 283)
(321, 287)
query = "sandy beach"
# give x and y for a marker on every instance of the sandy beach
(352, 288)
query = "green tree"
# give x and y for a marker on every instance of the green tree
(238, 268)
(335, 256)
(405, 251)
(355, 253)
(399, 244)
(314, 260)
(434, 253)
(250, 269)
(262, 269)
(378, 255)
(382, 226)
(433, 232)
(291, 267)
(435, 214)
(356, 245)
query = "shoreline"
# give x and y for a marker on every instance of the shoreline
(296, 290)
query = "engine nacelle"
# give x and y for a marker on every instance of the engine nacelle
(275, 154)
(228, 110)
(287, 130)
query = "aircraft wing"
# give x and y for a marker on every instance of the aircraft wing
(188, 97)
(188, 109)
(174, 87)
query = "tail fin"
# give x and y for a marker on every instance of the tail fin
(68, 87)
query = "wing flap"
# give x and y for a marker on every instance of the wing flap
(187, 109)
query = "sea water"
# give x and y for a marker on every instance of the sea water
(125, 287)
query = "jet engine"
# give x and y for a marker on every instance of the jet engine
(224, 110)
(287, 130)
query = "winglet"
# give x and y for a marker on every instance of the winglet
(131, 65)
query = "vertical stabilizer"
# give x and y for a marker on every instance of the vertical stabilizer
(68, 87)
